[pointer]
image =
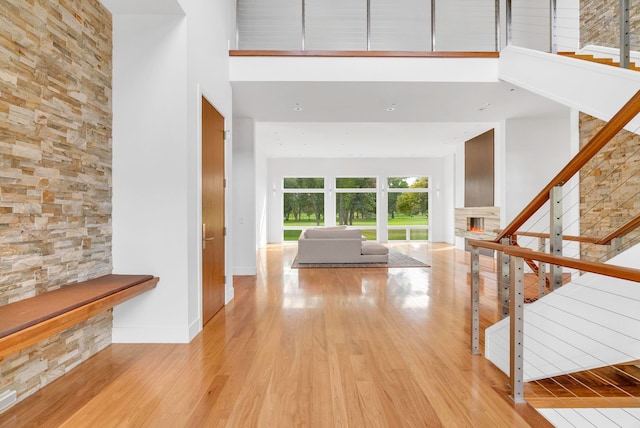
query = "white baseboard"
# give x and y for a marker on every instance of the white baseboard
(194, 328)
(150, 334)
(229, 294)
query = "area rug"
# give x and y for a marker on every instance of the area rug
(396, 260)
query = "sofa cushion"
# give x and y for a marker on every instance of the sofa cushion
(327, 233)
(374, 249)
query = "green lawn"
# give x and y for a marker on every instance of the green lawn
(397, 235)
(369, 234)
(291, 235)
(394, 235)
(399, 220)
(405, 220)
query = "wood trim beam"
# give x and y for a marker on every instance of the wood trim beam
(490, 245)
(597, 268)
(621, 231)
(22, 339)
(363, 54)
(584, 239)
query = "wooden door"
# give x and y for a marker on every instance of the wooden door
(213, 184)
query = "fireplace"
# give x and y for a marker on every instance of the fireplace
(475, 224)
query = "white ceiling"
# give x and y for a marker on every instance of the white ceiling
(347, 119)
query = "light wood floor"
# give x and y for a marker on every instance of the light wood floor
(362, 347)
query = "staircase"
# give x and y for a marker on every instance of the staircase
(591, 322)
(592, 58)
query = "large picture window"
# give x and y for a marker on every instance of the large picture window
(353, 202)
(356, 204)
(408, 208)
(303, 205)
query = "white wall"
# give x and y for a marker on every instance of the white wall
(444, 194)
(244, 198)
(160, 74)
(208, 76)
(568, 25)
(149, 213)
(531, 24)
(356, 167)
(261, 162)
(536, 150)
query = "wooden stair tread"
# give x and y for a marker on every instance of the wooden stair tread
(607, 387)
(592, 58)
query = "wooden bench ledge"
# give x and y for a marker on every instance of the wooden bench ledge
(31, 320)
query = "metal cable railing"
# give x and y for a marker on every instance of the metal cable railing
(511, 277)
(434, 26)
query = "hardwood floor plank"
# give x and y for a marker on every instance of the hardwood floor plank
(358, 347)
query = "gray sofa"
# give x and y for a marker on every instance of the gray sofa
(339, 245)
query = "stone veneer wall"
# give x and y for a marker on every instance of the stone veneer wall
(609, 188)
(600, 23)
(55, 163)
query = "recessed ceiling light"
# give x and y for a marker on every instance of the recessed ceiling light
(392, 107)
(297, 108)
(484, 107)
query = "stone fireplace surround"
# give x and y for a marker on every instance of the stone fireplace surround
(490, 218)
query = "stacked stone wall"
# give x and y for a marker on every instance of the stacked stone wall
(55, 170)
(609, 188)
(600, 23)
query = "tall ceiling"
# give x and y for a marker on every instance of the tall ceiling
(378, 119)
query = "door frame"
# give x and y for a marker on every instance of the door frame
(197, 326)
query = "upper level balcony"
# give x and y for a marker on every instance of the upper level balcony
(430, 27)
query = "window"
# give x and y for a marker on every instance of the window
(303, 205)
(408, 208)
(356, 204)
(353, 202)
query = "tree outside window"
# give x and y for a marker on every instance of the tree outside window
(303, 205)
(408, 205)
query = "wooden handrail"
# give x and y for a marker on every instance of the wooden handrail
(621, 272)
(608, 131)
(366, 54)
(621, 231)
(490, 245)
(585, 239)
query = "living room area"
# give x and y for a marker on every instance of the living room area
(269, 170)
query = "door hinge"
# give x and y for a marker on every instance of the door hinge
(224, 182)
(224, 231)
(227, 134)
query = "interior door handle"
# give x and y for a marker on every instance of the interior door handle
(204, 232)
(204, 238)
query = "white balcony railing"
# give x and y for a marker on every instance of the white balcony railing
(432, 25)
